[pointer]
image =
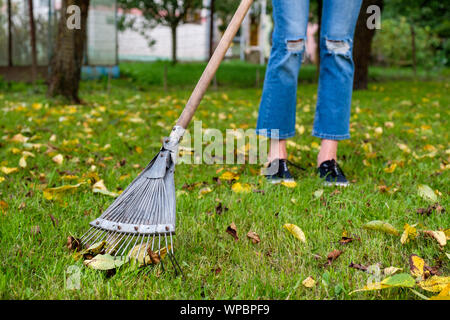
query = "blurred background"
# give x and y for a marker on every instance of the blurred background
(168, 42)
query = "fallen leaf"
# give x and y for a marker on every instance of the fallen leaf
(241, 187)
(254, 237)
(7, 170)
(309, 282)
(443, 295)
(58, 192)
(2, 179)
(58, 159)
(358, 266)
(381, 226)
(73, 244)
(333, 255)
(220, 208)
(401, 280)
(434, 283)
(289, 184)
(440, 236)
(426, 192)
(23, 162)
(3, 206)
(204, 191)
(229, 176)
(391, 270)
(391, 168)
(99, 187)
(318, 193)
(419, 268)
(410, 232)
(232, 230)
(295, 231)
(436, 207)
(54, 220)
(105, 262)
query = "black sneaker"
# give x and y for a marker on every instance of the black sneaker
(332, 174)
(278, 172)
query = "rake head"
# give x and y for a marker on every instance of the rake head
(141, 221)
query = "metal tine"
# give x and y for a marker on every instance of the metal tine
(127, 236)
(159, 253)
(98, 234)
(146, 246)
(114, 244)
(86, 233)
(140, 247)
(137, 238)
(126, 247)
(89, 236)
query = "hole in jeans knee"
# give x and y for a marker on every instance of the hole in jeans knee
(295, 45)
(338, 46)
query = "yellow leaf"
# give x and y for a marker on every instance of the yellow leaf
(434, 283)
(100, 185)
(241, 187)
(443, 295)
(402, 280)
(391, 168)
(289, 184)
(7, 170)
(295, 231)
(391, 270)
(417, 266)
(57, 193)
(2, 179)
(409, 233)
(139, 150)
(58, 159)
(447, 234)
(23, 162)
(440, 236)
(309, 282)
(204, 191)
(227, 175)
(381, 226)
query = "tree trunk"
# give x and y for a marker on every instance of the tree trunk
(363, 46)
(10, 55)
(174, 43)
(32, 41)
(68, 56)
(413, 48)
(211, 28)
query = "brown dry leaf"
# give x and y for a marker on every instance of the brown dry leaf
(73, 244)
(345, 239)
(333, 255)
(309, 282)
(440, 236)
(220, 208)
(254, 237)
(430, 209)
(232, 230)
(358, 266)
(3, 206)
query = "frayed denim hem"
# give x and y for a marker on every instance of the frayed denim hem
(330, 136)
(268, 133)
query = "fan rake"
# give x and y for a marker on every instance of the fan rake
(142, 218)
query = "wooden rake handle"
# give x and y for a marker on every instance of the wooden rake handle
(213, 64)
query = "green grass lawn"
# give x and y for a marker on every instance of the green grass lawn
(103, 132)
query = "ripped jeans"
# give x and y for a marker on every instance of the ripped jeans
(278, 102)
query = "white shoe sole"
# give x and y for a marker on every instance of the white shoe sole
(336, 184)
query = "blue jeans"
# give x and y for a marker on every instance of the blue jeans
(278, 102)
